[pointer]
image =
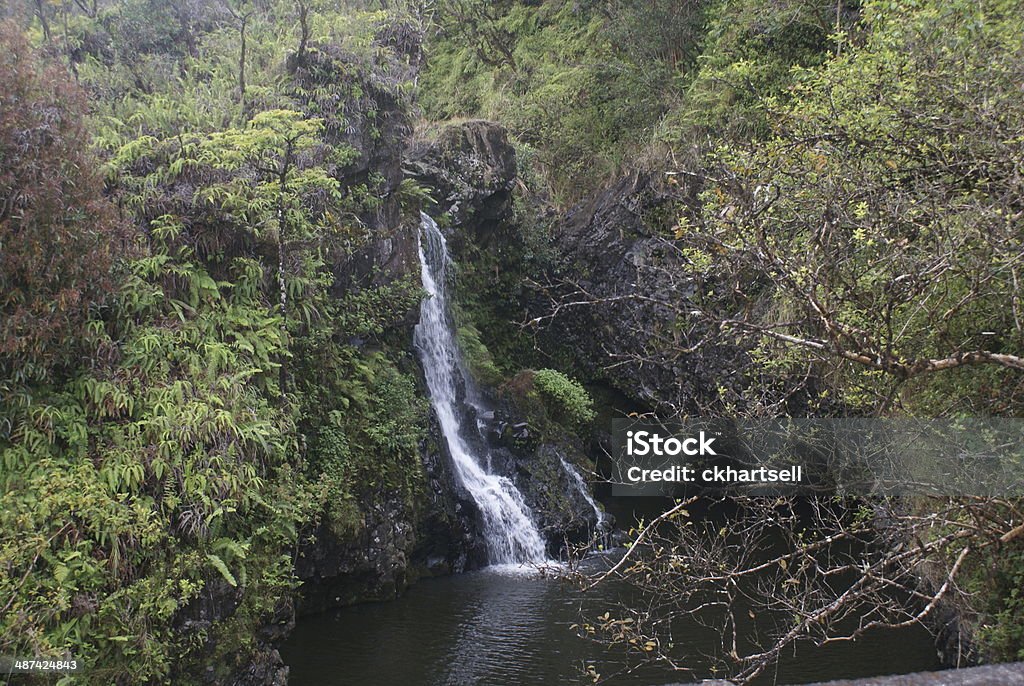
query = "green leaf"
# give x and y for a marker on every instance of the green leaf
(222, 568)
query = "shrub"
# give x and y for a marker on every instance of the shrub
(564, 397)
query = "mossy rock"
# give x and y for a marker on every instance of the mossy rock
(479, 361)
(549, 401)
(566, 400)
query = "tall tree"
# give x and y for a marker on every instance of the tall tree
(279, 205)
(58, 234)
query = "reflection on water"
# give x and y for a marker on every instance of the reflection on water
(509, 627)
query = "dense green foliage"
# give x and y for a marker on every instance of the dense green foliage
(565, 398)
(881, 217)
(479, 360)
(591, 89)
(189, 395)
(877, 230)
(193, 374)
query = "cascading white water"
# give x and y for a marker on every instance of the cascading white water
(509, 530)
(581, 486)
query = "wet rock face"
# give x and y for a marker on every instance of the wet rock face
(266, 668)
(532, 454)
(400, 541)
(470, 170)
(372, 565)
(562, 513)
(618, 248)
(448, 540)
(260, 666)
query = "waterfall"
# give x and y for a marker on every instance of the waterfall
(581, 486)
(509, 531)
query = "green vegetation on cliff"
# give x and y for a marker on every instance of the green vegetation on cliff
(181, 392)
(593, 88)
(881, 218)
(564, 397)
(205, 291)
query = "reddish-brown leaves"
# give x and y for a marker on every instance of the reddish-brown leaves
(58, 234)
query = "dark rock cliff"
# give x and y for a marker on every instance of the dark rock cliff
(399, 540)
(618, 260)
(470, 170)
(374, 123)
(398, 543)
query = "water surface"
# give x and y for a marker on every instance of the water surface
(503, 627)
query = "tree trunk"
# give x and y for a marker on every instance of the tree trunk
(282, 289)
(282, 286)
(304, 24)
(41, 13)
(241, 64)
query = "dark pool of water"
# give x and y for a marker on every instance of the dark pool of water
(502, 627)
